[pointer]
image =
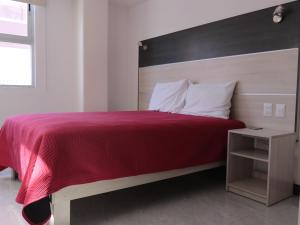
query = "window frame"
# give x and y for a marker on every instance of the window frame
(26, 40)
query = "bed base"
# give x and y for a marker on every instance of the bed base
(61, 200)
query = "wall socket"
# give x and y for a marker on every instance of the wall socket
(268, 109)
(280, 110)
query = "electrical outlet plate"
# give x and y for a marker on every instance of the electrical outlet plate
(268, 109)
(280, 110)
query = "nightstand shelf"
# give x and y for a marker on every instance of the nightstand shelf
(256, 154)
(260, 164)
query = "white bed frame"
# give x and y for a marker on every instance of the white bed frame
(61, 200)
(277, 85)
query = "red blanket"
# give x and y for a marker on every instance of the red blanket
(52, 151)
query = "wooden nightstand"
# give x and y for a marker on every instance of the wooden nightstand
(260, 164)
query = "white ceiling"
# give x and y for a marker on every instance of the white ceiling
(126, 2)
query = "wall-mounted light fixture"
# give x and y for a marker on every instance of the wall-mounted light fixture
(278, 14)
(144, 47)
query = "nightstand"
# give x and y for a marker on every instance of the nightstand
(260, 164)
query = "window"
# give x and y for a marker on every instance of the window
(16, 43)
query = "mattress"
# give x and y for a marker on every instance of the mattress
(53, 151)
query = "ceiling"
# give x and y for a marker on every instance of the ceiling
(126, 2)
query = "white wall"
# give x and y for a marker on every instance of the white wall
(117, 56)
(152, 18)
(92, 31)
(61, 73)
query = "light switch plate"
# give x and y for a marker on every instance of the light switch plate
(268, 109)
(280, 110)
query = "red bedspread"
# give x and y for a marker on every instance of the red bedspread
(52, 151)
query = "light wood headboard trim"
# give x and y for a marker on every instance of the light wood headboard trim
(262, 77)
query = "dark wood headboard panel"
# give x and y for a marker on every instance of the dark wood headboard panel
(248, 33)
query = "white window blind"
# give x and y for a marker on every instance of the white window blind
(33, 2)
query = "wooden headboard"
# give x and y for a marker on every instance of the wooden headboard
(266, 77)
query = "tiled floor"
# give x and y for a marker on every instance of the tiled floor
(9, 209)
(197, 199)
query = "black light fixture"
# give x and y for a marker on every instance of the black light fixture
(278, 14)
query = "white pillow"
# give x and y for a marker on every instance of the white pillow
(169, 97)
(209, 99)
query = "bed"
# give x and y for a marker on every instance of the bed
(53, 151)
(74, 155)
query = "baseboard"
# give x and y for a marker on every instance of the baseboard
(296, 189)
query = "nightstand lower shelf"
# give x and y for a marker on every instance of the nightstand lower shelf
(250, 187)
